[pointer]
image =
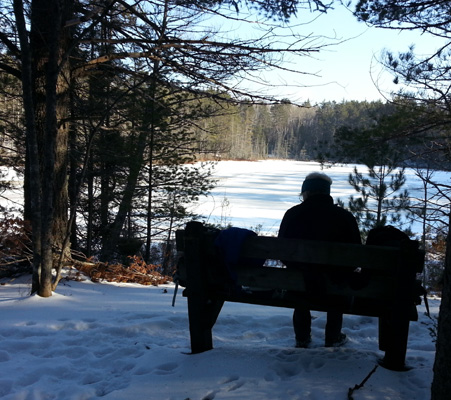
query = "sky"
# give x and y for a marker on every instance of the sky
(346, 71)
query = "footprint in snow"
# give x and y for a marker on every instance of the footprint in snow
(143, 370)
(5, 387)
(229, 379)
(235, 386)
(234, 383)
(210, 396)
(166, 369)
(289, 355)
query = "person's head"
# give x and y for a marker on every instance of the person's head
(316, 183)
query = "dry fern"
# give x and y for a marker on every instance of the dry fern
(137, 272)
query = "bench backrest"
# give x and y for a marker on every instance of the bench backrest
(392, 270)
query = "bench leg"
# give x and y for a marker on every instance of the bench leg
(202, 314)
(393, 335)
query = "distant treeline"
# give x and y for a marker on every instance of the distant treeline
(306, 132)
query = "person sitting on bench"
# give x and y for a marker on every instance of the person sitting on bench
(317, 218)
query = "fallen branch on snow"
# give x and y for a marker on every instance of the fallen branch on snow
(357, 387)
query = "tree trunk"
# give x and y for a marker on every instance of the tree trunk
(44, 39)
(74, 161)
(90, 211)
(32, 175)
(44, 90)
(441, 384)
(112, 239)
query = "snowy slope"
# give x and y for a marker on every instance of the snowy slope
(125, 341)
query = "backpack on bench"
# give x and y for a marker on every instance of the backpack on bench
(394, 237)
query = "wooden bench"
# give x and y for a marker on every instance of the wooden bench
(391, 292)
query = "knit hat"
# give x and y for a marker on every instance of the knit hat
(316, 182)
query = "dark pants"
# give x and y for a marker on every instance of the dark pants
(302, 322)
(317, 292)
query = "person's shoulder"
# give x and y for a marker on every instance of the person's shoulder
(342, 211)
(340, 208)
(295, 208)
(294, 211)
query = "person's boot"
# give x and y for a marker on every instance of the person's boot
(337, 342)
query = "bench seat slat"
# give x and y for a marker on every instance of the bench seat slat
(286, 279)
(357, 307)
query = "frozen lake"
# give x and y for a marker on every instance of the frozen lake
(255, 195)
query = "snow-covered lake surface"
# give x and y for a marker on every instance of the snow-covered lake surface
(256, 194)
(126, 342)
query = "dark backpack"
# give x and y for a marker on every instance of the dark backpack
(380, 236)
(386, 236)
(393, 237)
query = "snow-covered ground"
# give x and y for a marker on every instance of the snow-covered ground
(125, 341)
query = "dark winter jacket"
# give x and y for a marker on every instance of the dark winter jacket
(317, 218)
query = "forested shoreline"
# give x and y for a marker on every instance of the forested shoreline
(321, 132)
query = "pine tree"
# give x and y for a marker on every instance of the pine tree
(381, 199)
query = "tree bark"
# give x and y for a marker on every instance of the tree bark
(44, 92)
(44, 43)
(32, 210)
(441, 384)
